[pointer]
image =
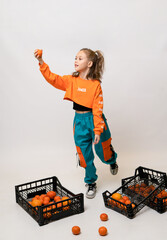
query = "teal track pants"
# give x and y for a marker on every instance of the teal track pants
(83, 126)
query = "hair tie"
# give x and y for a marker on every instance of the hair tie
(96, 54)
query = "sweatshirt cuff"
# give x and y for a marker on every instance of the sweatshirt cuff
(42, 65)
(97, 132)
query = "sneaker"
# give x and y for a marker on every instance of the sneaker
(114, 168)
(91, 190)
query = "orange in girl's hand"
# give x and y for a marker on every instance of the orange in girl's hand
(76, 230)
(39, 52)
(104, 217)
(103, 231)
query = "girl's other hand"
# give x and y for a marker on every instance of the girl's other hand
(38, 55)
(97, 139)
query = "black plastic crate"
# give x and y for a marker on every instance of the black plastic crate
(153, 183)
(158, 201)
(48, 213)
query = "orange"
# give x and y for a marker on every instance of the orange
(42, 195)
(125, 198)
(76, 230)
(163, 193)
(166, 202)
(66, 208)
(57, 198)
(36, 203)
(104, 217)
(116, 196)
(133, 205)
(102, 231)
(46, 201)
(143, 185)
(142, 189)
(47, 197)
(128, 202)
(59, 205)
(111, 202)
(132, 188)
(66, 202)
(148, 190)
(47, 214)
(51, 194)
(121, 205)
(37, 196)
(39, 52)
(152, 187)
(52, 206)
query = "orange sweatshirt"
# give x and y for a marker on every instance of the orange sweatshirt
(84, 92)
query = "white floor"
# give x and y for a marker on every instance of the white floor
(17, 224)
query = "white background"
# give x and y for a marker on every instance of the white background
(36, 137)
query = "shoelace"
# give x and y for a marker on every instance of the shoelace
(91, 187)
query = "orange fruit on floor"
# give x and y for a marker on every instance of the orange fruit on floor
(104, 217)
(102, 231)
(76, 230)
(39, 52)
(116, 196)
(51, 194)
(36, 203)
(66, 202)
(57, 198)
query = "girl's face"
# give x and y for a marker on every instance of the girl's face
(82, 63)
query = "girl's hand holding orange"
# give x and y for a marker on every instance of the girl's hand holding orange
(38, 55)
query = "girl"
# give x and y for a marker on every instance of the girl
(83, 88)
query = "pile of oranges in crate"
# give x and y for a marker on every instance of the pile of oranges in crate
(144, 190)
(163, 195)
(121, 201)
(53, 200)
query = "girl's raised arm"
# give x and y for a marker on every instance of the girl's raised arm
(59, 82)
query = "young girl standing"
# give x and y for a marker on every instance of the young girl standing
(83, 88)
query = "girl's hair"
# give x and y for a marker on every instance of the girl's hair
(97, 69)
